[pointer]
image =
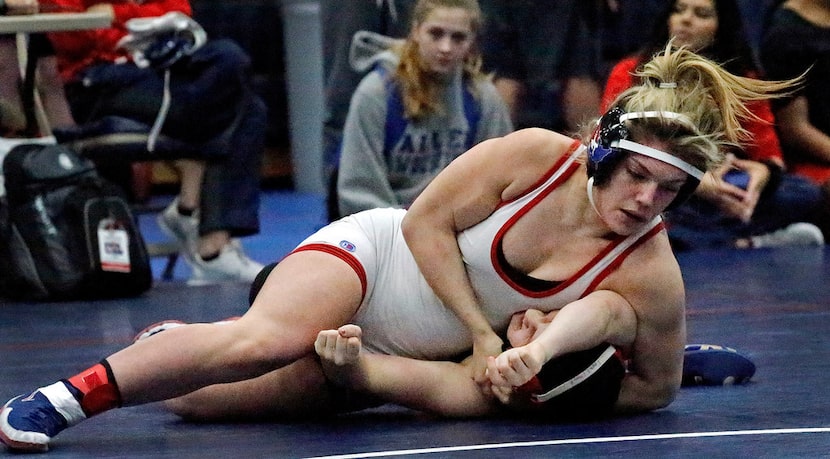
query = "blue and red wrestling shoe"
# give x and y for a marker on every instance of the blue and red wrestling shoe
(714, 365)
(28, 423)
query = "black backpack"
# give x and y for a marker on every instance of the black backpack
(67, 233)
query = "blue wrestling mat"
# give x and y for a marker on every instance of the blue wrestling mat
(770, 305)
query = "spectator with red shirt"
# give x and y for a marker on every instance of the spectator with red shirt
(751, 201)
(212, 106)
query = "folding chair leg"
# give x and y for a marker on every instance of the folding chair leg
(170, 266)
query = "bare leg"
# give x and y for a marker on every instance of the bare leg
(306, 292)
(50, 88)
(49, 84)
(264, 397)
(9, 70)
(212, 242)
(191, 174)
(12, 112)
(511, 92)
(580, 100)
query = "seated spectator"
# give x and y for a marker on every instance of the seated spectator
(425, 103)
(797, 40)
(49, 84)
(390, 18)
(548, 73)
(212, 105)
(751, 201)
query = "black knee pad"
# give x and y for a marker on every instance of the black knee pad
(259, 280)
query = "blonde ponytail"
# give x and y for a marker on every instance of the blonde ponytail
(680, 81)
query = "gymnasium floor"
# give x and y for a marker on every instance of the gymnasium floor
(774, 305)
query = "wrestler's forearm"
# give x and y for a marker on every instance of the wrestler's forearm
(602, 316)
(443, 388)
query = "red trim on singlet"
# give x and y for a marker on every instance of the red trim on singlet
(559, 162)
(564, 284)
(342, 254)
(509, 223)
(616, 263)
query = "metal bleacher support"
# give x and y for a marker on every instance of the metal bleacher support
(304, 83)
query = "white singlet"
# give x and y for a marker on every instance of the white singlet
(400, 314)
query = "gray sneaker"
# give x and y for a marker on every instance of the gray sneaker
(232, 265)
(796, 234)
(185, 230)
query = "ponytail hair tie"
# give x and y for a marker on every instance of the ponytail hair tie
(670, 85)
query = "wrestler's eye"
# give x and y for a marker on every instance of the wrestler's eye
(636, 175)
(672, 187)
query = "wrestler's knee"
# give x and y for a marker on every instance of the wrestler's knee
(188, 408)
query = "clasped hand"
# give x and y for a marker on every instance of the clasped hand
(484, 347)
(513, 368)
(339, 352)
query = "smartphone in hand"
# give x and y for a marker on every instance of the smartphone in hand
(737, 177)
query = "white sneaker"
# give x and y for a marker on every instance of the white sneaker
(232, 265)
(185, 230)
(796, 234)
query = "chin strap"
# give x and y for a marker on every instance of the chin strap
(590, 190)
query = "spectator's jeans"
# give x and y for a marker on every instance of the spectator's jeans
(212, 105)
(699, 224)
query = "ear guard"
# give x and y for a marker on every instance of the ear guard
(610, 144)
(602, 157)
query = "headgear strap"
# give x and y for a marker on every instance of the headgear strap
(683, 119)
(659, 155)
(578, 379)
(626, 144)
